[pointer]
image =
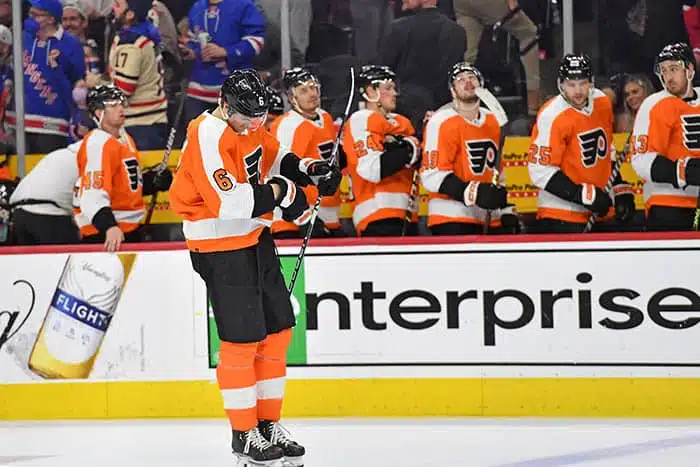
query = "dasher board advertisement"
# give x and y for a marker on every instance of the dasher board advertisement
(98, 316)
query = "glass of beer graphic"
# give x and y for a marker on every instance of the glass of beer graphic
(79, 314)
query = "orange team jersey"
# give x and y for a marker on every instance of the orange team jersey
(314, 139)
(363, 142)
(578, 143)
(669, 127)
(212, 189)
(467, 149)
(109, 176)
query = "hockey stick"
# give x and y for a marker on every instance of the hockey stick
(613, 175)
(496, 108)
(412, 203)
(163, 165)
(317, 205)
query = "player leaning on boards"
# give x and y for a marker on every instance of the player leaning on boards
(461, 142)
(382, 155)
(110, 188)
(571, 152)
(309, 132)
(666, 142)
(232, 175)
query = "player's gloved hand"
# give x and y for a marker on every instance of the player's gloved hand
(409, 144)
(325, 176)
(625, 208)
(595, 199)
(687, 172)
(510, 222)
(291, 199)
(485, 195)
(162, 180)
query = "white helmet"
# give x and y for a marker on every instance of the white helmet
(5, 35)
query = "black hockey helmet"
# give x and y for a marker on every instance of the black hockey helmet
(678, 51)
(101, 95)
(296, 76)
(244, 92)
(575, 66)
(371, 75)
(461, 67)
(276, 103)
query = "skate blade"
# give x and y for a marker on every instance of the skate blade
(245, 461)
(293, 461)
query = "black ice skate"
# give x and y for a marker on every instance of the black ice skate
(293, 451)
(252, 449)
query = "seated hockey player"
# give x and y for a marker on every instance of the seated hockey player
(382, 156)
(571, 153)
(309, 132)
(111, 186)
(666, 142)
(461, 143)
(232, 174)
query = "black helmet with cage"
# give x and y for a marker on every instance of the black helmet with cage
(461, 67)
(245, 92)
(102, 95)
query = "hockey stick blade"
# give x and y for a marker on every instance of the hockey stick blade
(493, 105)
(317, 205)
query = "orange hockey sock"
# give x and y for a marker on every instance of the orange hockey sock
(270, 372)
(236, 377)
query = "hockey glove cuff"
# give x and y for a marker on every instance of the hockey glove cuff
(325, 176)
(593, 198)
(485, 195)
(291, 199)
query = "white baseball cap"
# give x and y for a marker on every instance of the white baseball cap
(5, 35)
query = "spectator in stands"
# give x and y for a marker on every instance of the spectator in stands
(370, 20)
(75, 21)
(299, 21)
(223, 35)
(410, 49)
(54, 64)
(635, 89)
(6, 87)
(136, 68)
(691, 17)
(474, 15)
(6, 12)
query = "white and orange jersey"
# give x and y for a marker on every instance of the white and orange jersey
(577, 142)
(213, 187)
(109, 177)
(363, 143)
(666, 126)
(466, 149)
(313, 139)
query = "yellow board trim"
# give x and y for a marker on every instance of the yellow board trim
(532, 397)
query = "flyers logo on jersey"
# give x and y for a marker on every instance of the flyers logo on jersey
(325, 150)
(133, 171)
(594, 145)
(252, 166)
(691, 131)
(482, 154)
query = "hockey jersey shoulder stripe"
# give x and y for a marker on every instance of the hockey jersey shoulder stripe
(550, 112)
(289, 124)
(643, 119)
(435, 124)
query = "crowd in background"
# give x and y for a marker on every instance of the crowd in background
(185, 49)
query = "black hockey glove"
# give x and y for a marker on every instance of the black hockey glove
(510, 222)
(410, 147)
(625, 208)
(325, 176)
(155, 181)
(687, 172)
(593, 198)
(291, 199)
(485, 195)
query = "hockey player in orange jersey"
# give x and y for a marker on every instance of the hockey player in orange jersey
(570, 154)
(232, 174)
(460, 147)
(110, 187)
(309, 132)
(666, 142)
(382, 155)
